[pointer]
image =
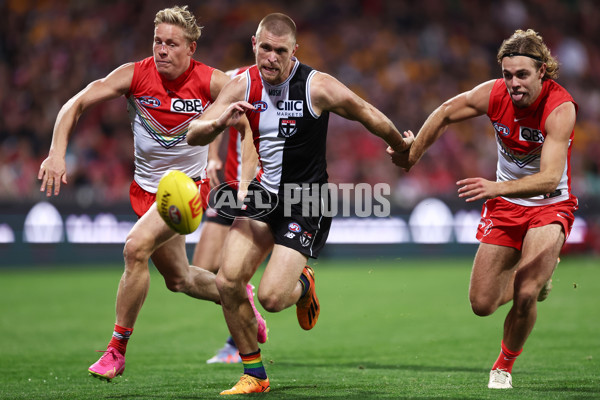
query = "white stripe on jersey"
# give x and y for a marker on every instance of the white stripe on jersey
(238, 147)
(271, 145)
(308, 99)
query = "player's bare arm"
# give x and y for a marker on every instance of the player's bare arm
(329, 94)
(53, 169)
(249, 161)
(226, 111)
(559, 125)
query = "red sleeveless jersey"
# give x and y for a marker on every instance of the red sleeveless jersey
(520, 135)
(160, 112)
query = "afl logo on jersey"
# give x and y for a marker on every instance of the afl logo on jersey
(287, 127)
(260, 106)
(149, 101)
(501, 129)
(294, 227)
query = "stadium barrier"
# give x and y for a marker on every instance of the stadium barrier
(44, 235)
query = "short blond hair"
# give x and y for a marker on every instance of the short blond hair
(530, 44)
(181, 17)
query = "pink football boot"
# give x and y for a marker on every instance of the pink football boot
(111, 364)
(263, 331)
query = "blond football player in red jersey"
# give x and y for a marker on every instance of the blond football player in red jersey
(165, 93)
(528, 209)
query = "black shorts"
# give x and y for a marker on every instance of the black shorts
(301, 230)
(220, 209)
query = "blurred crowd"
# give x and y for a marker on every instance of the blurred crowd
(405, 57)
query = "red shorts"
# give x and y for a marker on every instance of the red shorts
(505, 223)
(141, 200)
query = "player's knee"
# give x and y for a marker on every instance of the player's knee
(271, 304)
(135, 251)
(271, 301)
(483, 307)
(225, 286)
(175, 283)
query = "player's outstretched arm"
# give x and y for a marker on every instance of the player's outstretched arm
(53, 169)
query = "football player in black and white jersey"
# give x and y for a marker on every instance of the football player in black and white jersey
(287, 104)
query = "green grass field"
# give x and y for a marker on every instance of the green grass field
(389, 329)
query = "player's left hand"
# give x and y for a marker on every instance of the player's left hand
(400, 153)
(52, 172)
(472, 189)
(233, 113)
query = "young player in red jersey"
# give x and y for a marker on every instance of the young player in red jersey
(165, 93)
(528, 212)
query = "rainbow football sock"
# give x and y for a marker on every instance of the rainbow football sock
(253, 365)
(305, 284)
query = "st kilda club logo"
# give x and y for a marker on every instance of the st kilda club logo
(287, 127)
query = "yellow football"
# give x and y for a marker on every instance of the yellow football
(178, 201)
